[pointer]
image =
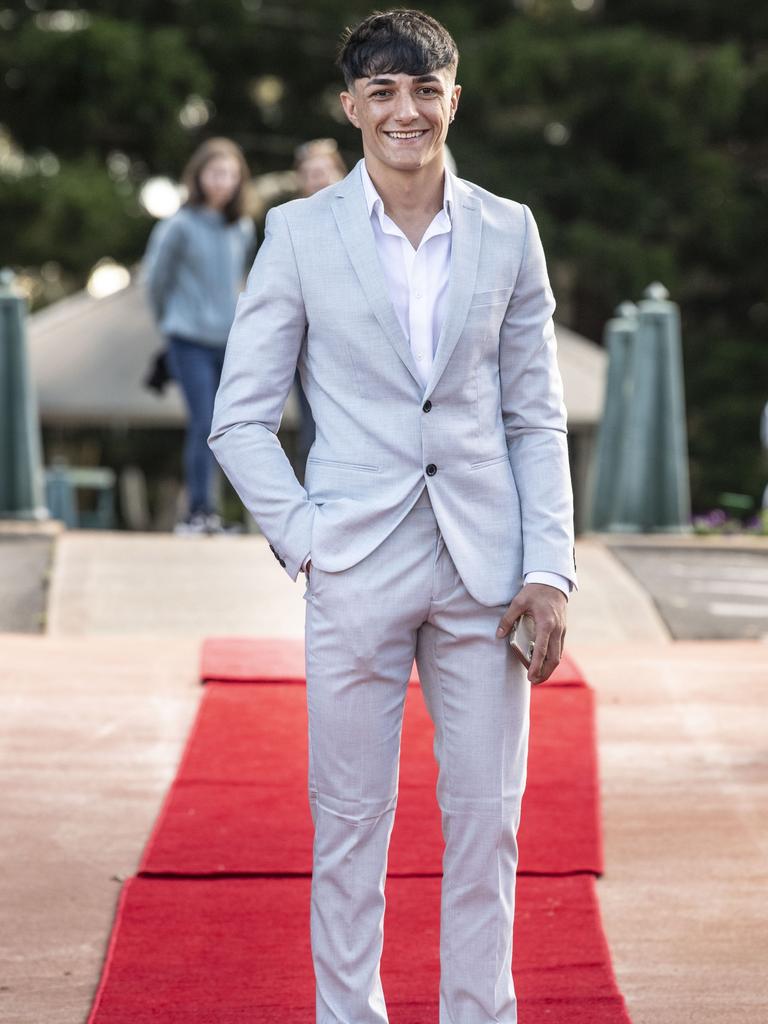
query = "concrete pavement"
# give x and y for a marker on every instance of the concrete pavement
(90, 736)
(26, 550)
(683, 735)
(98, 709)
(118, 583)
(706, 588)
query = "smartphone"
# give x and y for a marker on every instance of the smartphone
(522, 637)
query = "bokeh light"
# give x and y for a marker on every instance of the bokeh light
(160, 197)
(107, 277)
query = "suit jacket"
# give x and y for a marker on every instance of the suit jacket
(488, 435)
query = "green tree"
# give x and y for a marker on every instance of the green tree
(634, 129)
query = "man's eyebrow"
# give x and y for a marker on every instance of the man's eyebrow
(391, 81)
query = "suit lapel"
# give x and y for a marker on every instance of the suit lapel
(354, 224)
(466, 225)
(351, 213)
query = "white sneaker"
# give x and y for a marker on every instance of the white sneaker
(215, 524)
(192, 525)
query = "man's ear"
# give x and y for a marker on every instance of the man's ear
(349, 103)
(455, 93)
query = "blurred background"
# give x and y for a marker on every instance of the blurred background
(635, 129)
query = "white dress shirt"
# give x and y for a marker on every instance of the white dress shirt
(417, 279)
(417, 283)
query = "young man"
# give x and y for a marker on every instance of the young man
(437, 506)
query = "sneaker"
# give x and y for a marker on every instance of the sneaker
(192, 525)
(215, 524)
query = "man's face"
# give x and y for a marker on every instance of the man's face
(403, 118)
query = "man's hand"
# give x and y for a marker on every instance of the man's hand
(546, 605)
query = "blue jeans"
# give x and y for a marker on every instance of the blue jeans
(197, 368)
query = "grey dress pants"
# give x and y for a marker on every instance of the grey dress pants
(364, 626)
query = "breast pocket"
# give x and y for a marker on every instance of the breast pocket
(485, 317)
(490, 298)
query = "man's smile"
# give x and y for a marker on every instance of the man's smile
(401, 135)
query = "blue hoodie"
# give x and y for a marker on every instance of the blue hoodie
(194, 268)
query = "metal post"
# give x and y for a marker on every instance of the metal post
(635, 492)
(653, 489)
(669, 498)
(21, 474)
(642, 482)
(619, 341)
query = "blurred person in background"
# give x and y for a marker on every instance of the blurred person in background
(195, 266)
(318, 163)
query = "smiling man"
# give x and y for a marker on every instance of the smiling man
(437, 506)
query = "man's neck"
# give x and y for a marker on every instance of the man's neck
(411, 198)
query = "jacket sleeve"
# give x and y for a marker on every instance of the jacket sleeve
(164, 250)
(259, 365)
(534, 415)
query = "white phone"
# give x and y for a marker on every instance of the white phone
(522, 639)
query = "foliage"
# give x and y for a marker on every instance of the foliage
(635, 129)
(717, 522)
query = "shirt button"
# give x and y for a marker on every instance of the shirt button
(427, 406)
(431, 469)
(419, 356)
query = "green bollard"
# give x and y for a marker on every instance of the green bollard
(619, 339)
(653, 492)
(633, 508)
(669, 498)
(21, 474)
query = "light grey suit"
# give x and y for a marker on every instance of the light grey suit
(496, 428)
(423, 509)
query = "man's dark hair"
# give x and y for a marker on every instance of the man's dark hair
(395, 42)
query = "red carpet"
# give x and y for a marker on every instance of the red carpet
(236, 951)
(251, 660)
(245, 768)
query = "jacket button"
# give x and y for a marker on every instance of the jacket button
(427, 406)
(282, 562)
(431, 469)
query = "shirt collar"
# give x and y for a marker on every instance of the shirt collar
(375, 203)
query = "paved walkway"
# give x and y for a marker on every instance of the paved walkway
(98, 709)
(117, 583)
(713, 590)
(683, 733)
(26, 550)
(89, 739)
